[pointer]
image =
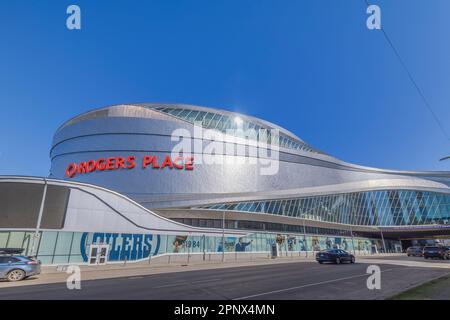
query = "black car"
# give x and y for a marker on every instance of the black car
(440, 252)
(334, 255)
(414, 251)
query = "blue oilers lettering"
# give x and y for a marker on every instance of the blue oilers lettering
(122, 246)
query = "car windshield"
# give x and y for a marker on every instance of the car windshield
(431, 248)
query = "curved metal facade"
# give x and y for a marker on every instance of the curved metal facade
(338, 192)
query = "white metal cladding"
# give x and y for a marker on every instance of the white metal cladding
(95, 209)
(140, 129)
(177, 111)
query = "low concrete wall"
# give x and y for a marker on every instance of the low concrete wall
(185, 258)
(218, 257)
(199, 259)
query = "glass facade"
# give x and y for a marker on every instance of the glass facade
(227, 124)
(12, 202)
(55, 206)
(17, 213)
(371, 208)
(59, 247)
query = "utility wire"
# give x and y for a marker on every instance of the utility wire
(411, 78)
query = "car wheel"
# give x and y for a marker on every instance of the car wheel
(409, 255)
(352, 260)
(320, 262)
(338, 260)
(16, 275)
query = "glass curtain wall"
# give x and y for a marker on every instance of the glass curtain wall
(372, 208)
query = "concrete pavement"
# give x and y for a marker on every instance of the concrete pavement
(55, 274)
(403, 260)
(274, 280)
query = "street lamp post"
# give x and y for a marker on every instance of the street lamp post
(353, 243)
(304, 238)
(36, 234)
(382, 238)
(223, 236)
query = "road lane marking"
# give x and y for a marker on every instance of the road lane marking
(184, 282)
(206, 280)
(171, 284)
(305, 286)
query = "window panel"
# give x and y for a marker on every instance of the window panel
(15, 212)
(55, 207)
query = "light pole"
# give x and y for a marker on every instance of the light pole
(353, 243)
(382, 238)
(304, 237)
(38, 224)
(223, 236)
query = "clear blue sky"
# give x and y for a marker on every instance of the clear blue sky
(310, 66)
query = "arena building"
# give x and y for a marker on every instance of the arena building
(141, 180)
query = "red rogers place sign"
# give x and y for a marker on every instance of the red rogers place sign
(129, 162)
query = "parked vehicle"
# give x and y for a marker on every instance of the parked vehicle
(436, 252)
(334, 255)
(414, 251)
(16, 267)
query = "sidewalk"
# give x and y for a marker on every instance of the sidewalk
(417, 264)
(57, 274)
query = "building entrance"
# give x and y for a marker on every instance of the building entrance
(98, 254)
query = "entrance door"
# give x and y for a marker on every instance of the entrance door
(102, 254)
(98, 254)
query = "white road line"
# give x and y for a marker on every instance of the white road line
(306, 285)
(206, 280)
(171, 285)
(183, 282)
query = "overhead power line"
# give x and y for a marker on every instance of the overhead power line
(411, 78)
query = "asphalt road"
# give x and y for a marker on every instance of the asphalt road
(303, 280)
